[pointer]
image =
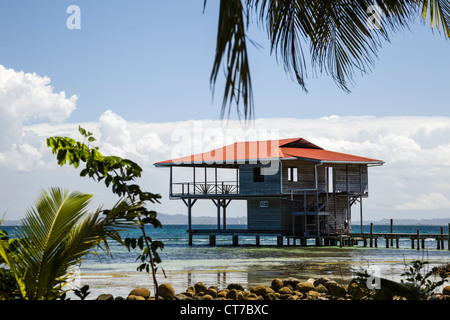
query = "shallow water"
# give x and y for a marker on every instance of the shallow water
(246, 264)
(220, 266)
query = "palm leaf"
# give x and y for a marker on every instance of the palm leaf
(232, 43)
(439, 14)
(336, 33)
(56, 235)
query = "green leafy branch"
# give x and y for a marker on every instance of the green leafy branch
(119, 174)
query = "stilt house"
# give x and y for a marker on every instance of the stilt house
(292, 187)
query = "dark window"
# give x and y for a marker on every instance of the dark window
(257, 175)
(292, 174)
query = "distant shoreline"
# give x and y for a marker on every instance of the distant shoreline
(181, 219)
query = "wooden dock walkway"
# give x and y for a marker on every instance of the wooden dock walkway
(370, 239)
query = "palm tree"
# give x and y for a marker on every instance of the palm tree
(341, 36)
(55, 236)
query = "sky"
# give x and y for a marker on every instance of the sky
(136, 74)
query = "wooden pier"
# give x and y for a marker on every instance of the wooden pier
(370, 239)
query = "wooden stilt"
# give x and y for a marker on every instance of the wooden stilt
(418, 240)
(235, 240)
(212, 240)
(371, 235)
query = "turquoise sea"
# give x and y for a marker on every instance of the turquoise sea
(183, 265)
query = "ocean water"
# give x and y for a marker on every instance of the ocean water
(183, 265)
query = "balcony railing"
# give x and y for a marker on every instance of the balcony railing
(202, 188)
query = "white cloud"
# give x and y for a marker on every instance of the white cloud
(414, 177)
(116, 137)
(25, 98)
(431, 201)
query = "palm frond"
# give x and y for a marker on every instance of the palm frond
(439, 13)
(232, 44)
(288, 24)
(337, 34)
(56, 235)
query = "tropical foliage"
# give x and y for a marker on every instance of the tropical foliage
(416, 284)
(120, 174)
(55, 236)
(338, 37)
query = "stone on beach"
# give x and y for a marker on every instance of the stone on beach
(140, 292)
(105, 297)
(166, 291)
(212, 292)
(200, 287)
(305, 286)
(289, 289)
(276, 284)
(446, 291)
(261, 290)
(236, 286)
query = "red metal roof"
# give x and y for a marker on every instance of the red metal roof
(284, 149)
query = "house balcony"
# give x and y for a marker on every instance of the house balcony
(204, 189)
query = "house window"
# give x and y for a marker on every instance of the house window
(257, 175)
(264, 204)
(292, 174)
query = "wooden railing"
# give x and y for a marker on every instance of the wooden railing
(202, 188)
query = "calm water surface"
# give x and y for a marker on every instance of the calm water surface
(247, 264)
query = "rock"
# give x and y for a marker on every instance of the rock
(188, 294)
(232, 294)
(290, 282)
(133, 297)
(252, 296)
(200, 287)
(236, 286)
(270, 296)
(313, 295)
(105, 297)
(182, 296)
(261, 290)
(277, 284)
(207, 297)
(322, 281)
(321, 288)
(285, 290)
(119, 298)
(336, 290)
(191, 289)
(166, 291)
(446, 291)
(140, 292)
(212, 292)
(222, 293)
(304, 287)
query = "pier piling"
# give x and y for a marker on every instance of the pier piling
(418, 239)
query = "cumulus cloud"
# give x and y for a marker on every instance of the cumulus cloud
(26, 98)
(430, 201)
(412, 180)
